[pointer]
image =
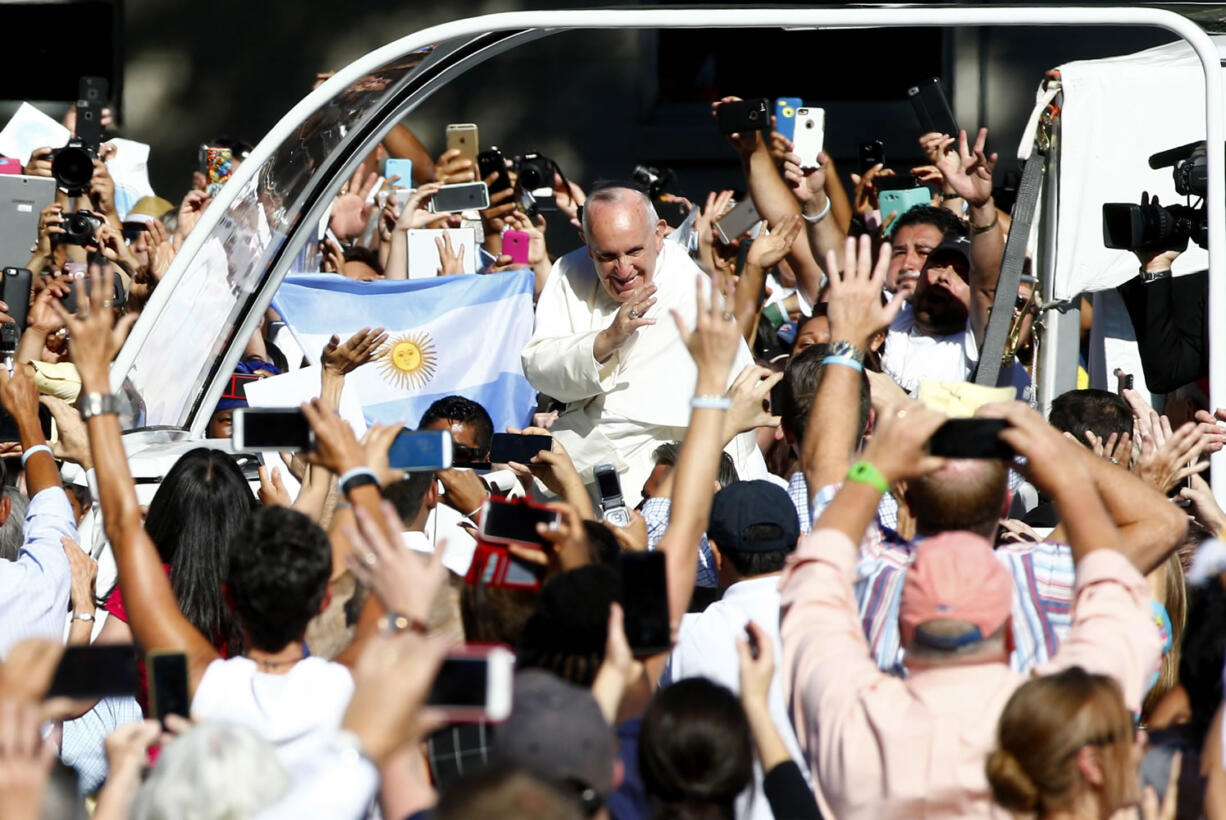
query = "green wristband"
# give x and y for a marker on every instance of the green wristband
(866, 473)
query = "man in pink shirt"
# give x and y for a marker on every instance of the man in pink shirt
(881, 746)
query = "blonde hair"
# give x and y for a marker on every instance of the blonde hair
(1042, 728)
(1175, 599)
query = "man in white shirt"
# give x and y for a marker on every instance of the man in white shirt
(605, 345)
(752, 531)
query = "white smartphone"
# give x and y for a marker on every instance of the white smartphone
(809, 134)
(474, 684)
(271, 428)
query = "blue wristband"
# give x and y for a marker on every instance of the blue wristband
(846, 361)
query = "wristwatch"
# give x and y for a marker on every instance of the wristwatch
(846, 350)
(97, 404)
(1154, 276)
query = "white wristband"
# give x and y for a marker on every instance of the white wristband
(37, 448)
(813, 220)
(710, 402)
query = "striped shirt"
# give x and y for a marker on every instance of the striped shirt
(1042, 592)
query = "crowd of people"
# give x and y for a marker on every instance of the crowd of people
(859, 627)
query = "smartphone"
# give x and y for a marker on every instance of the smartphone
(463, 136)
(399, 167)
(15, 291)
(508, 447)
(970, 438)
(494, 566)
(896, 182)
(1123, 381)
(168, 684)
(673, 212)
(515, 245)
(271, 428)
(932, 108)
(785, 115)
(871, 154)
(810, 133)
(645, 601)
(740, 219)
(95, 671)
(463, 196)
(218, 166)
(491, 161)
(422, 452)
(744, 116)
(474, 684)
(612, 504)
(513, 522)
(92, 93)
(900, 202)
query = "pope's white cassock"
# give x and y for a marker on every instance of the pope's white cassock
(620, 411)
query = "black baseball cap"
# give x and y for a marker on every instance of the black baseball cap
(745, 504)
(951, 245)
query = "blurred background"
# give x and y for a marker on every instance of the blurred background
(184, 73)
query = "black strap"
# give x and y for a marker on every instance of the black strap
(993, 347)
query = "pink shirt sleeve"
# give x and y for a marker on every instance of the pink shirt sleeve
(826, 659)
(1113, 632)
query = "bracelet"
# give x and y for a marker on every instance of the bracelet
(978, 229)
(392, 623)
(37, 448)
(864, 472)
(949, 196)
(83, 616)
(357, 477)
(1155, 276)
(813, 220)
(710, 402)
(846, 361)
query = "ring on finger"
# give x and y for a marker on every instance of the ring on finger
(728, 317)
(633, 314)
(369, 559)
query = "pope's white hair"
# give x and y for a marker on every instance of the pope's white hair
(618, 194)
(213, 772)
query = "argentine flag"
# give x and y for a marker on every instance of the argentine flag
(451, 335)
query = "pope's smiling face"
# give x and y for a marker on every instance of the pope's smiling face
(623, 244)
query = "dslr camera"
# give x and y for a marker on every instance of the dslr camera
(73, 165)
(1154, 227)
(79, 229)
(654, 180)
(535, 171)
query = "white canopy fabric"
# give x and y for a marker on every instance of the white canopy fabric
(1116, 113)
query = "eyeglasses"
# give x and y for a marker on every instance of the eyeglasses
(464, 453)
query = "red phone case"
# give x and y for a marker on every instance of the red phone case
(515, 245)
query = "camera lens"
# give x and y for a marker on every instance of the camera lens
(809, 124)
(72, 168)
(753, 115)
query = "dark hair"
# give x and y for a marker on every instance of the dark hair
(495, 614)
(799, 388)
(194, 519)
(695, 750)
(567, 631)
(947, 222)
(467, 411)
(1098, 411)
(966, 494)
(279, 571)
(602, 544)
(367, 256)
(670, 451)
(407, 496)
(504, 793)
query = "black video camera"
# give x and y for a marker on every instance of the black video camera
(73, 165)
(653, 180)
(1154, 227)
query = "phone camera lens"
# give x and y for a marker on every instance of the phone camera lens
(809, 124)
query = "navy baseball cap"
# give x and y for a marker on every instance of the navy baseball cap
(751, 504)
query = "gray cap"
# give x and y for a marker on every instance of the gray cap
(557, 732)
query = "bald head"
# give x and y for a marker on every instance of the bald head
(624, 237)
(965, 494)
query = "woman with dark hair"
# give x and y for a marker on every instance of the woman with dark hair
(199, 508)
(697, 741)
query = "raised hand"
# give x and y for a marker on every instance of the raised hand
(84, 571)
(358, 349)
(451, 168)
(855, 310)
(415, 215)
(1205, 508)
(717, 205)
(336, 447)
(808, 184)
(94, 335)
(50, 223)
(750, 394)
(272, 490)
(350, 209)
(629, 318)
(190, 210)
(1164, 465)
(743, 143)
(404, 580)
(451, 260)
(899, 446)
(770, 248)
(968, 170)
(334, 257)
(865, 194)
(716, 337)
(1117, 449)
(1052, 460)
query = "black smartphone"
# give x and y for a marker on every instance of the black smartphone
(645, 601)
(1123, 381)
(871, 153)
(16, 294)
(95, 671)
(168, 684)
(932, 108)
(8, 424)
(464, 196)
(507, 447)
(492, 161)
(970, 438)
(513, 522)
(272, 428)
(744, 115)
(896, 182)
(672, 212)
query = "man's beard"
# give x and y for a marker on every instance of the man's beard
(941, 310)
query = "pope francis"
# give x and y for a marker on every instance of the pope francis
(605, 345)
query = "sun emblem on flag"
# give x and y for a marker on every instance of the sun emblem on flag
(409, 361)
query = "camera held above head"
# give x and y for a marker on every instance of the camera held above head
(654, 180)
(79, 229)
(73, 165)
(1150, 226)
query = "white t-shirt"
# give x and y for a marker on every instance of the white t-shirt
(912, 357)
(297, 712)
